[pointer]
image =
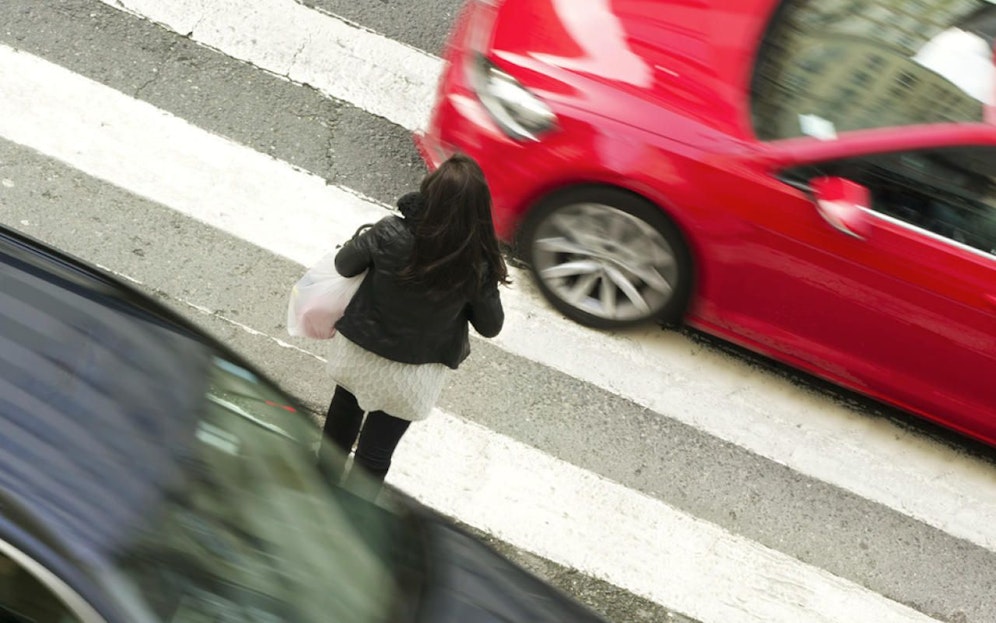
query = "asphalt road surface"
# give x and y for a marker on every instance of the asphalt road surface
(208, 150)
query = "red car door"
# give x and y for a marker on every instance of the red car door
(904, 310)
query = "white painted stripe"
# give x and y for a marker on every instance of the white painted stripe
(294, 214)
(154, 154)
(576, 518)
(368, 70)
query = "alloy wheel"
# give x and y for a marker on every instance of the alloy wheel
(606, 262)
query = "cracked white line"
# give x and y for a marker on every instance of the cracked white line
(340, 59)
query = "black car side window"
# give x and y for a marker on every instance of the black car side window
(25, 599)
(948, 192)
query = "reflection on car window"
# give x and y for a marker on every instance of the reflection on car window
(949, 192)
(24, 599)
(250, 530)
(831, 66)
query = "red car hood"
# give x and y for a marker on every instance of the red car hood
(697, 52)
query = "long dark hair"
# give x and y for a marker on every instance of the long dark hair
(455, 243)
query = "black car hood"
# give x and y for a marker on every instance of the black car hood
(470, 583)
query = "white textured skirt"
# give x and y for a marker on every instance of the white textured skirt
(404, 390)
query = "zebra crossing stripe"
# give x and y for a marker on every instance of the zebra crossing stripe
(581, 520)
(370, 71)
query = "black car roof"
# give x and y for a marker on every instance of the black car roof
(99, 388)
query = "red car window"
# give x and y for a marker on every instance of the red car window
(949, 192)
(828, 67)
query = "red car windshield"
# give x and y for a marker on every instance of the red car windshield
(831, 67)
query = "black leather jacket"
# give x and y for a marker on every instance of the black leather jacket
(399, 321)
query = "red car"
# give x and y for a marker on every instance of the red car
(812, 179)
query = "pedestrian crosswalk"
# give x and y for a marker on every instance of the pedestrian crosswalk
(552, 500)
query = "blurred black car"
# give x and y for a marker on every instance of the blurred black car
(148, 473)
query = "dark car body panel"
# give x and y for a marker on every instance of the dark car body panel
(471, 582)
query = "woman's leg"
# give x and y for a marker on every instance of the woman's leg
(342, 425)
(380, 436)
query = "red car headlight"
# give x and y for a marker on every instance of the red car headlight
(516, 110)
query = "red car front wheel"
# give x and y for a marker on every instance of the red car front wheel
(607, 258)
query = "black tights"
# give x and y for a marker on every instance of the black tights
(380, 436)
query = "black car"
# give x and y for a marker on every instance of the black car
(148, 473)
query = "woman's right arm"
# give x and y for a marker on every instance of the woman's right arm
(485, 312)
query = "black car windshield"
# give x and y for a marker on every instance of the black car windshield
(252, 531)
(831, 67)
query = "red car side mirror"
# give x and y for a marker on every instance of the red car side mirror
(843, 204)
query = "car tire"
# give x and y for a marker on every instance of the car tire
(607, 258)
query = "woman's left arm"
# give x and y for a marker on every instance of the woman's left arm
(356, 255)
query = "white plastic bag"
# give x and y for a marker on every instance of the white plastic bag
(319, 299)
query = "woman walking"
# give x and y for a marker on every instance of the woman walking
(431, 272)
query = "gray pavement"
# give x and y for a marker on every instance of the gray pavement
(186, 263)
